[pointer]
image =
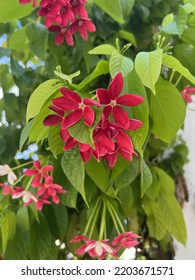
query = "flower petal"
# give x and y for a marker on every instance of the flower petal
(134, 124)
(124, 142)
(89, 116)
(72, 118)
(130, 100)
(105, 116)
(88, 101)
(65, 104)
(71, 95)
(70, 143)
(116, 86)
(52, 120)
(121, 117)
(103, 96)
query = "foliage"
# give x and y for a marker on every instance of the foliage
(150, 44)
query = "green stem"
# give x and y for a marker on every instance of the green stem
(178, 80)
(103, 222)
(16, 182)
(113, 218)
(92, 215)
(117, 218)
(94, 220)
(172, 75)
(22, 165)
(29, 184)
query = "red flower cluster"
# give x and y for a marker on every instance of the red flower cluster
(99, 249)
(65, 17)
(186, 94)
(109, 135)
(43, 181)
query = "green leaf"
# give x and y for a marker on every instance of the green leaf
(146, 177)
(83, 133)
(148, 67)
(2, 145)
(187, 36)
(73, 168)
(61, 217)
(127, 6)
(55, 141)
(120, 63)
(112, 8)
(37, 34)
(173, 63)
(40, 240)
(8, 227)
(155, 219)
(166, 121)
(103, 49)
(22, 219)
(18, 40)
(40, 96)
(11, 9)
(25, 133)
(127, 36)
(65, 77)
(140, 112)
(102, 68)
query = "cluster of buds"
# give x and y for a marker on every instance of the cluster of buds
(110, 135)
(65, 17)
(99, 249)
(42, 181)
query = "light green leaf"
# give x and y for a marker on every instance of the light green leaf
(73, 168)
(148, 67)
(40, 96)
(127, 6)
(37, 35)
(146, 177)
(11, 9)
(155, 219)
(173, 63)
(103, 49)
(22, 218)
(55, 141)
(25, 133)
(127, 36)
(82, 133)
(8, 227)
(166, 120)
(112, 8)
(18, 40)
(120, 63)
(65, 77)
(168, 19)
(187, 36)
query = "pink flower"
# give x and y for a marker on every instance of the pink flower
(125, 240)
(82, 25)
(63, 33)
(48, 189)
(186, 92)
(71, 101)
(94, 248)
(6, 189)
(28, 1)
(78, 8)
(110, 97)
(38, 172)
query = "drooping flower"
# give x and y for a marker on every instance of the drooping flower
(112, 101)
(38, 172)
(94, 248)
(6, 189)
(6, 170)
(83, 26)
(80, 107)
(186, 94)
(125, 240)
(63, 33)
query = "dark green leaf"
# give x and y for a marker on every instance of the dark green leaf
(146, 177)
(112, 8)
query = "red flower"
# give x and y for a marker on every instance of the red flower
(125, 240)
(64, 33)
(71, 101)
(83, 25)
(94, 248)
(38, 172)
(28, 1)
(6, 189)
(186, 92)
(48, 189)
(113, 102)
(78, 8)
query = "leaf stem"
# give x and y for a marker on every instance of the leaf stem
(103, 222)
(178, 80)
(172, 75)
(113, 217)
(22, 165)
(93, 213)
(117, 218)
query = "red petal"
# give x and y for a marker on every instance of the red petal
(89, 25)
(103, 96)
(37, 164)
(86, 155)
(88, 101)
(116, 86)
(65, 104)
(64, 134)
(69, 39)
(57, 110)
(81, 249)
(83, 33)
(106, 142)
(52, 120)
(111, 159)
(84, 147)
(55, 199)
(47, 168)
(121, 117)
(134, 124)
(125, 155)
(79, 238)
(105, 116)
(89, 116)
(71, 95)
(72, 118)
(130, 99)
(49, 180)
(70, 143)
(124, 142)
(30, 172)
